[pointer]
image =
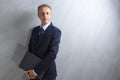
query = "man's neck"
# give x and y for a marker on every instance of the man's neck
(45, 24)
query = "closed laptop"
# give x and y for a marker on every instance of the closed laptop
(29, 61)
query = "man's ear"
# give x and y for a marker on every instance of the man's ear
(38, 15)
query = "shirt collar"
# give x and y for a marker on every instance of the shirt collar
(45, 26)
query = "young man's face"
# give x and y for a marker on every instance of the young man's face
(44, 14)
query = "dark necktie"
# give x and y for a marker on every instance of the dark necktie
(41, 33)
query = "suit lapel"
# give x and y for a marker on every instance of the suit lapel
(37, 33)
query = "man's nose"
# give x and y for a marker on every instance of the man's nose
(45, 15)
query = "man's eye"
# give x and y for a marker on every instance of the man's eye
(47, 13)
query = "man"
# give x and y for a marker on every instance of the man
(44, 43)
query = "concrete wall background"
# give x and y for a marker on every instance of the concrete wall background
(90, 44)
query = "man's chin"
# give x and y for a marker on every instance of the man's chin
(44, 23)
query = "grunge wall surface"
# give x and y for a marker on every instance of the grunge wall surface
(90, 43)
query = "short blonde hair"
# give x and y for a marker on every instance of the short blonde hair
(43, 5)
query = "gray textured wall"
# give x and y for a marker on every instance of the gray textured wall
(90, 44)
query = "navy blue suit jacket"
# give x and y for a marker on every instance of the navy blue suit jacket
(46, 49)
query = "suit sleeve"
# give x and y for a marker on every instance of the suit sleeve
(30, 41)
(53, 50)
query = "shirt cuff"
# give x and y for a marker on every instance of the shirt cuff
(34, 72)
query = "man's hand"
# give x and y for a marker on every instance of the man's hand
(30, 74)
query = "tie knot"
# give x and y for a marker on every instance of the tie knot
(41, 31)
(41, 28)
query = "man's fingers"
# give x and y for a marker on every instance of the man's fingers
(30, 75)
(27, 75)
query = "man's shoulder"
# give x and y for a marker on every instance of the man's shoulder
(56, 29)
(35, 28)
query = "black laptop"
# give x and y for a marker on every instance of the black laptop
(29, 61)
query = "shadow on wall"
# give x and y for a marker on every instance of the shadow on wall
(19, 53)
(22, 22)
(20, 50)
(19, 24)
(116, 6)
(17, 57)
